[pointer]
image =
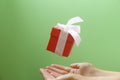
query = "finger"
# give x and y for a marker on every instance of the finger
(53, 73)
(57, 70)
(70, 70)
(61, 67)
(75, 65)
(45, 74)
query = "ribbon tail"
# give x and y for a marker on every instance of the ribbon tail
(76, 28)
(75, 36)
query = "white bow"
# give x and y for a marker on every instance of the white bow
(74, 30)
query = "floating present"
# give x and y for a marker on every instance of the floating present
(63, 37)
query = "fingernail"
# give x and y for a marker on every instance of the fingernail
(71, 65)
(41, 69)
(52, 64)
(47, 66)
(66, 68)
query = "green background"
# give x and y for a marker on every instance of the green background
(25, 27)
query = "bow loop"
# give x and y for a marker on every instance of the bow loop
(72, 29)
(74, 20)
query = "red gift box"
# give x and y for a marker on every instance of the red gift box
(63, 36)
(54, 38)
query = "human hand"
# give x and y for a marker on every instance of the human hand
(55, 68)
(58, 72)
(60, 75)
(85, 68)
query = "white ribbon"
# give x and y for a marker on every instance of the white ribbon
(74, 30)
(61, 43)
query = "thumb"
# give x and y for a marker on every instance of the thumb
(75, 65)
(69, 77)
